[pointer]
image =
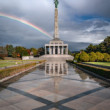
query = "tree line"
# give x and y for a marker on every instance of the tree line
(20, 51)
(95, 53)
(103, 47)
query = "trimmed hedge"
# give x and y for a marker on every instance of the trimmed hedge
(16, 69)
(100, 71)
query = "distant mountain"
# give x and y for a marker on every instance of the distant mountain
(73, 46)
(76, 46)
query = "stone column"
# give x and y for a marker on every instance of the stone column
(54, 50)
(50, 50)
(59, 50)
(62, 50)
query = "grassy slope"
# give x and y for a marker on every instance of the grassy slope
(100, 63)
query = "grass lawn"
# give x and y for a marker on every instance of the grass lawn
(100, 63)
(4, 63)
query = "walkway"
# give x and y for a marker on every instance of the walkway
(38, 90)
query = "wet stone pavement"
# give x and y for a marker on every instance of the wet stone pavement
(55, 86)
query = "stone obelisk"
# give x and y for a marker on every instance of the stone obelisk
(56, 33)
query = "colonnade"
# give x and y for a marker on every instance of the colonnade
(56, 50)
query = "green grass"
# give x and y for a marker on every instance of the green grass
(5, 63)
(100, 63)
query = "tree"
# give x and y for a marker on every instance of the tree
(89, 48)
(76, 58)
(100, 56)
(106, 57)
(34, 51)
(10, 50)
(92, 57)
(24, 52)
(21, 51)
(41, 51)
(84, 57)
(105, 45)
(102, 48)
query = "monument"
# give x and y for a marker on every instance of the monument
(56, 47)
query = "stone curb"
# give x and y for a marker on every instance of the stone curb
(7, 78)
(93, 74)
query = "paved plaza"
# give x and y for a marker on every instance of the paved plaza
(70, 89)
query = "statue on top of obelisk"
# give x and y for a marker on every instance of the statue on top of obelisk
(56, 3)
(56, 34)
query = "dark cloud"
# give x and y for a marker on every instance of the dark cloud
(86, 21)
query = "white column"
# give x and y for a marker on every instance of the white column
(54, 50)
(62, 50)
(50, 50)
(58, 50)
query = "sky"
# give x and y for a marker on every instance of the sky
(80, 21)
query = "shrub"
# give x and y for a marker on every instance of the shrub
(76, 58)
(106, 57)
(84, 57)
(92, 57)
(100, 56)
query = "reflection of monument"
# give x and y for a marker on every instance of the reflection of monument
(56, 68)
(56, 47)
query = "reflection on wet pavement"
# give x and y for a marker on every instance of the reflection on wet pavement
(55, 85)
(56, 68)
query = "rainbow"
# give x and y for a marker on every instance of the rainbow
(26, 23)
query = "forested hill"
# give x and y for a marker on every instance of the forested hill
(103, 47)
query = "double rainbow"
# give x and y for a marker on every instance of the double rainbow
(26, 23)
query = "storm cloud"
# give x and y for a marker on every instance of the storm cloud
(85, 21)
